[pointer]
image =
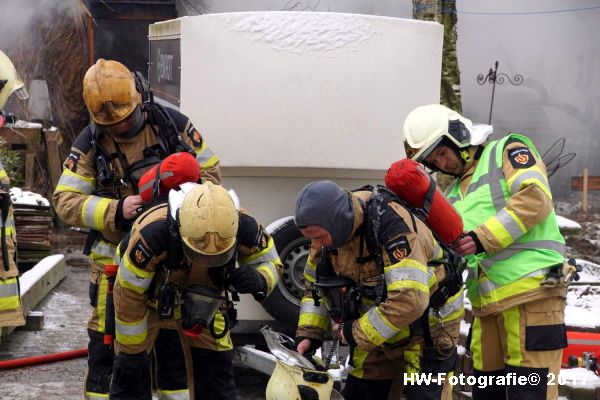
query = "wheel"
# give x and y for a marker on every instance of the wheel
(284, 302)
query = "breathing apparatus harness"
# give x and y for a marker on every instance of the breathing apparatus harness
(199, 303)
(168, 136)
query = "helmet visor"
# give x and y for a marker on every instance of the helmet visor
(126, 128)
(204, 260)
(22, 93)
(420, 154)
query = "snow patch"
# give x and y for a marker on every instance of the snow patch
(578, 377)
(29, 278)
(25, 124)
(565, 223)
(23, 197)
(590, 271)
(292, 32)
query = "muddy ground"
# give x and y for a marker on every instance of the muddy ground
(66, 310)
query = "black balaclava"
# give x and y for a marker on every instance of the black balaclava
(325, 204)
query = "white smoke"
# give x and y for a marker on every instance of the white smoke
(20, 16)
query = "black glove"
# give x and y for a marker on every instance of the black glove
(247, 280)
(121, 223)
(314, 344)
(478, 246)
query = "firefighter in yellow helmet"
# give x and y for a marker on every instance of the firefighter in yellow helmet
(98, 188)
(11, 313)
(513, 247)
(176, 270)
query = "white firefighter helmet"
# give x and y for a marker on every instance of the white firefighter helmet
(208, 224)
(295, 377)
(427, 126)
(9, 81)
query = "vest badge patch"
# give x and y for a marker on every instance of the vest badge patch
(140, 255)
(521, 157)
(398, 249)
(195, 136)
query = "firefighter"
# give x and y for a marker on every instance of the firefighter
(98, 186)
(387, 321)
(175, 269)
(11, 313)
(512, 242)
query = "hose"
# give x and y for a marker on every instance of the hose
(43, 359)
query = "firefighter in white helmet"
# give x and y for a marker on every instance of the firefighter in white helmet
(9, 81)
(512, 243)
(97, 190)
(176, 270)
(11, 313)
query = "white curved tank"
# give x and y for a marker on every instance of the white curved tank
(285, 98)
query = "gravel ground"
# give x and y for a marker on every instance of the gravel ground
(66, 310)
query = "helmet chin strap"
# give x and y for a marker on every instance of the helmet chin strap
(464, 156)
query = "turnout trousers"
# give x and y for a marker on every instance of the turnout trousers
(522, 341)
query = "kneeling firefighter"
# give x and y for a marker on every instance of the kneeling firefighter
(176, 269)
(368, 271)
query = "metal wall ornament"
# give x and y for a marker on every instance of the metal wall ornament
(494, 77)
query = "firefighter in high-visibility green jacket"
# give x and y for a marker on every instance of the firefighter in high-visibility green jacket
(512, 243)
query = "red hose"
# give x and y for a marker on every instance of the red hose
(46, 358)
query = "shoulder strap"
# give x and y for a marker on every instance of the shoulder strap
(168, 135)
(175, 253)
(373, 209)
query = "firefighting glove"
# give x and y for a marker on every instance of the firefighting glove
(571, 271)
(248, 280)
(314, 344)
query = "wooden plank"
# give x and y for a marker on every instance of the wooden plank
(584, 202)
(38, 282)
(53, 140)
(29, 170)
(577, 183)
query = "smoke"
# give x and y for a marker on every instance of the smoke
(20, 17)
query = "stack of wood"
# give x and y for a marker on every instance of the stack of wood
(33, 224)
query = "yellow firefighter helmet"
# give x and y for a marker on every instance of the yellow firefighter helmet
(295, 377)
(293, 382)
(208, 224)
(109, 92)
(9, 81)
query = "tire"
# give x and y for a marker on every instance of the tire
(284, 302)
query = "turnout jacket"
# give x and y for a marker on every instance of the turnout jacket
(11, 313)
(81, 199)
(142, 270)
(504, 197)
(407, 245)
